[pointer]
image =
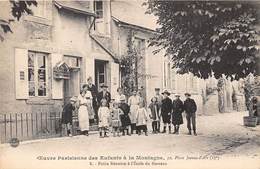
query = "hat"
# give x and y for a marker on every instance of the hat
(103, 85)
(166, 92)
(73, 99)
(122, 97)
(177, 95)
(158, 89)
(187, 94)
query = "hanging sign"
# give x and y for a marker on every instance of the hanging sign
(61, 71)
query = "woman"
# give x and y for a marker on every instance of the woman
(85, 106)
(119, 94)
(133, 102)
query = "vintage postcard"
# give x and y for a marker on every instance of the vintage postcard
(129, 84)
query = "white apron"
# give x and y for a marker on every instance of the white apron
(133, 102)
(83, 114)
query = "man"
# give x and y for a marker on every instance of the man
(133, 102)
(166, 111)
(93, 89)
(104, 94)
(159, 101)
(190, 108)
(177, 109)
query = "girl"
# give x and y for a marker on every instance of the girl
(103, 114)
(125, 119)
(115, 117)
(141, 119)
(154, 114)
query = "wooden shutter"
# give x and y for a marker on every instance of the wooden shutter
(57, 85)
(21, 74)
(114, 78)
(90, 64)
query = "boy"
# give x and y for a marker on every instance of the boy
(66, 118)
(125, 119)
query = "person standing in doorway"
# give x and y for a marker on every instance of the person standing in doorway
(85, 101)
(190, 108)
(177, 109)
(104, 94)
(93, 89)
(166, 111)
(133, 102)
(159, 101)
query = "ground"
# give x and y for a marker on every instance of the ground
(221, 138)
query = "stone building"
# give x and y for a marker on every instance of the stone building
(49, 55)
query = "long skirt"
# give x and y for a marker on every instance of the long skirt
(133, 111)
(83, 117)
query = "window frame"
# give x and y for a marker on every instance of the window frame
(99, 10)
(36, 74)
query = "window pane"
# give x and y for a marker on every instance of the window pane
(41, 75)
(31, 56)
(42, 89)
(31, 89)
(101, 79)
(31, 74)
(41, 61)
(99, 5)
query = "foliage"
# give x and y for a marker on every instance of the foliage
(208, 36)
(18, 8)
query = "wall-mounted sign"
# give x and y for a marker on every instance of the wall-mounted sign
(61, 71)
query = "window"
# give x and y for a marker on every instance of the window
(40, 9)
(98, 7)
(72, 62)
(37, 73)
(173, 79)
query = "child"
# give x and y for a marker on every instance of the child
(125, 119)
(115, 117)
(66, 118)
(141, 119)
(103, 114)
(155, 114)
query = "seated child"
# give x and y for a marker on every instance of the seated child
(116, 112)
(66, 117)
(141, 119)
(103, 115)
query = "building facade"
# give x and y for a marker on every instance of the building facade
(49, 55)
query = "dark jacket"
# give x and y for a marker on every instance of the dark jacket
(166, 106)
(190, 106)
(106, 96)
(177, 109)
(125, 119)
(67, 113)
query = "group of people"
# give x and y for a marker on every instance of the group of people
(127, 117)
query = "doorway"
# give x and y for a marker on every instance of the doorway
(100, 73)
(71, 86)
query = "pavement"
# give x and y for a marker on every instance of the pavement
(222, 142)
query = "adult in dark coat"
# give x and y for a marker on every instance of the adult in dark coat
(177, 109)
(166, 110)
(190, 108)
(93, 89)
(104, 94)
(125, 119)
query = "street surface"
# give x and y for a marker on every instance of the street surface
(220, 137)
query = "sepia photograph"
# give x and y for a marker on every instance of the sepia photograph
(168, 84)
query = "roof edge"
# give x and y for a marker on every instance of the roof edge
(61, 6)
(125, 24)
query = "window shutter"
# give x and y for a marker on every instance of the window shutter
(90, 68)
(21, 74)
(57, 85)
(114, 78)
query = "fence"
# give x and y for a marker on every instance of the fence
(30, 126)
